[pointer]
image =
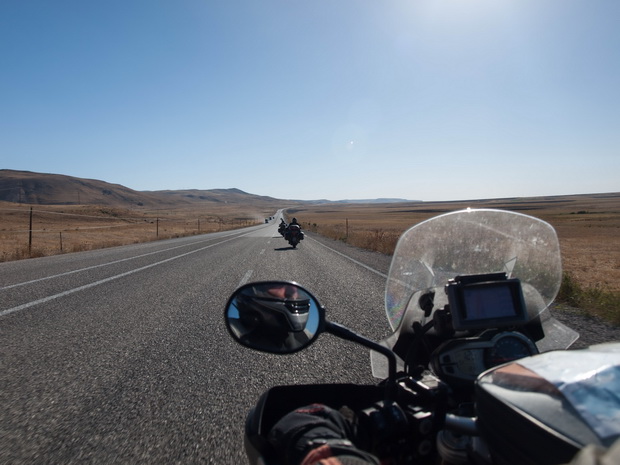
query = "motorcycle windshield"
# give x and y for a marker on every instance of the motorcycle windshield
(469, 242)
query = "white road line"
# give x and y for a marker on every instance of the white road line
(246, 278)
(102, 281)
(103, 264)
(353, 260)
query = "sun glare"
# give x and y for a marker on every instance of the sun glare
(467, 14)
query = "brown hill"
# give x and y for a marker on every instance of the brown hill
(54, 189)
(219, 196)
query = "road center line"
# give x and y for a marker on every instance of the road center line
(245, 278)
(103, 281)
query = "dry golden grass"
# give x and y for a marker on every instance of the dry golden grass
(588, 228)
(62, 229)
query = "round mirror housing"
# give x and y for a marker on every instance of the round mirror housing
(274, 316)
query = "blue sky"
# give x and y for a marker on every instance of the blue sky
(337, 99)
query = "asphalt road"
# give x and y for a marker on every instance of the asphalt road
(121, 355)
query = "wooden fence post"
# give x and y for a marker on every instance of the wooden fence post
(30, 235)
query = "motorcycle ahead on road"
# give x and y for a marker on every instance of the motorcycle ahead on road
(293, 235)
(475, 371)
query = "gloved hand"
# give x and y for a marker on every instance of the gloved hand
(312, 428)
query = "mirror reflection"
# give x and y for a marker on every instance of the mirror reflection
(277, 317)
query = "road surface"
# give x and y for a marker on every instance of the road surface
(121, 355)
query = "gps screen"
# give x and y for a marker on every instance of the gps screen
(483, 302)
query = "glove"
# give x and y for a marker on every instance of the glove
(317, 430)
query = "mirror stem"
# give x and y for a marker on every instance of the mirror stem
(344, 333)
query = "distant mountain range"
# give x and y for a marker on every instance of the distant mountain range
(55, 189)
(380, 200)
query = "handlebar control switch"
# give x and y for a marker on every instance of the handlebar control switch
(404, 436)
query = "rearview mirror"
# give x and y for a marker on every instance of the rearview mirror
(274, 316)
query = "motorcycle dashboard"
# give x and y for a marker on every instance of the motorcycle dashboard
(462, 360)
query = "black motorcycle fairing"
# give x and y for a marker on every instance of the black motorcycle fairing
(461, 244)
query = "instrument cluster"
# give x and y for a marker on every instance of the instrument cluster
(464, 359)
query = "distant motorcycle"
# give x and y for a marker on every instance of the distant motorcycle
(294, 235)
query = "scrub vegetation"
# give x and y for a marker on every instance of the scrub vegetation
(588, 228)
(62, 229)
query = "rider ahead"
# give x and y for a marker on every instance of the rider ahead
(293, 228)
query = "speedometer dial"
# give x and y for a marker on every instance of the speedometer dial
(507, 348)
(462, 360)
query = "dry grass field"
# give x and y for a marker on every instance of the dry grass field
(588, 228)
(71, 228)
